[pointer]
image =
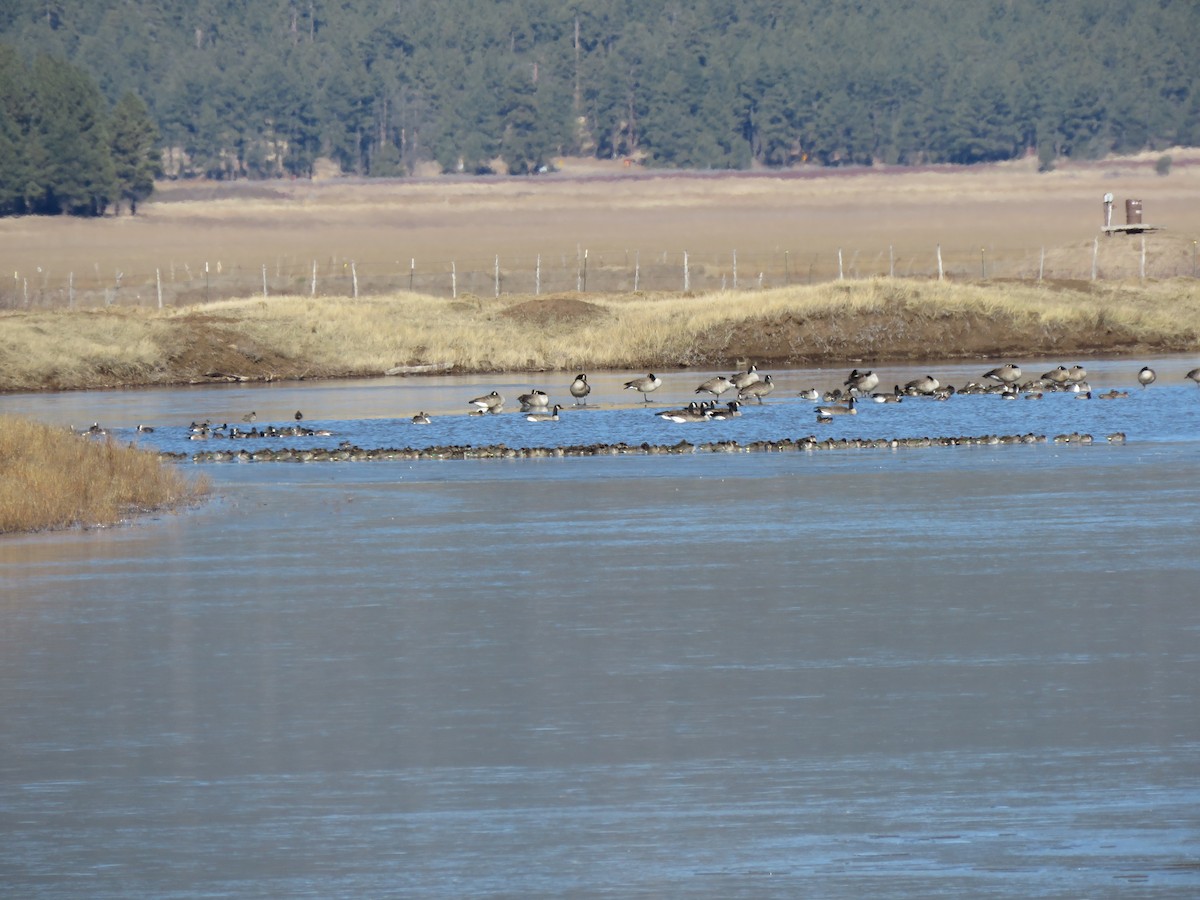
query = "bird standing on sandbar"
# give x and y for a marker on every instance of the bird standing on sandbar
(645, 385)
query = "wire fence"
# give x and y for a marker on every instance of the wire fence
(177, 283)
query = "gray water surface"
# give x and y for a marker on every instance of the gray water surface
(942, 672)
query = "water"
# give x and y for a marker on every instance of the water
(941, 672)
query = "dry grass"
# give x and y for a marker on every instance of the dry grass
(296, 337)
(51, 478)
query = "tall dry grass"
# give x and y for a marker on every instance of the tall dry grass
(51, 479)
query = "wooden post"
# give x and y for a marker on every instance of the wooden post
(637, 269)
(786, 276)
(1095, 256)
(71, 291)
(537, 276)
(1042, 266)
(583, 287)
(206, 281)
(687, 279)
(158, 285)
(354, 278)
(453, 280)
(841, 272)
(735, 270)
(941, 270)
(496, 276)
(264, 281)
(983, 263)
(313, 291)
(412, 271)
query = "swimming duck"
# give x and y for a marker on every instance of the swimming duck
(421, 419)
(810, 394)
(250, 416)
(645, 385)
(580, 388)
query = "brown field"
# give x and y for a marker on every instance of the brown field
(66, 324)
(991, 222)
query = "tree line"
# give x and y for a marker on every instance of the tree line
(388, 87)
(63, 149)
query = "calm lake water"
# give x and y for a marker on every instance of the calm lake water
(941, 672)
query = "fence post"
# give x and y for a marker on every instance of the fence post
(983, 263)
(537, 276)
(1142, 268)
(354, 278)
(786, 276)
(313, 291)
(841, 272)
(637, 269)
(412, 270)
(496, 276)
(453, 280)
(206, 281)
(891, 261)
(585, 259)
(941, 270)
(735, 270)
(157, 285)
(1095, 256)
(71, 291)
(1042, 265)
(264, 284)
(687, 280)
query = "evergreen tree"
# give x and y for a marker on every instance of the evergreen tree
(137, 159)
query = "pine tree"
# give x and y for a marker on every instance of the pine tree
(135, 151)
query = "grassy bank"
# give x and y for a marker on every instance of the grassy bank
(51, 478)
(874, 320)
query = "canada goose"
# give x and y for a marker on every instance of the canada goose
(828, 412)
(645, 384)
(1005, 374)
(926, 384)
(580, 388)
(696, 406)
(743, 380)
(716, 386)
(1194, 375)
(810, 394)
(544, 416)
(1114, 394)
(696, 413)
(1147, 376)
(145, 429)
(894, 397)
(757, 390)
(862, 381)
(96, 429)
(489, 403)
(250, 416)
(1076, 374)
(535, 399)
(731, 410)
(1059, 375)
(421, 419)
(299, 416)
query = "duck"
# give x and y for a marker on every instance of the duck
(645, 385)
(742, 380)
(828, 412)
(145, 429)
(250, 416)
(1114, 394)
(1147, 376)
(535, 399)
(421, 419)
(809, 394)
(544, 416)
(863, 382)
(757, 390)
(299, 416)
(489, 403)
(580, 389)
(716, 386)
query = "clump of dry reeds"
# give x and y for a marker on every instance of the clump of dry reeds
(51, 478)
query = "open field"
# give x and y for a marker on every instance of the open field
(82, 307)
(51, 478)
(201, 242)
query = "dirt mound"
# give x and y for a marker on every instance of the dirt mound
(554, 311)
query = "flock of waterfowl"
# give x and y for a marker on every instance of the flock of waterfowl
(1008, 382)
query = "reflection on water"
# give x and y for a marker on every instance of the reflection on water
(952, 672)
